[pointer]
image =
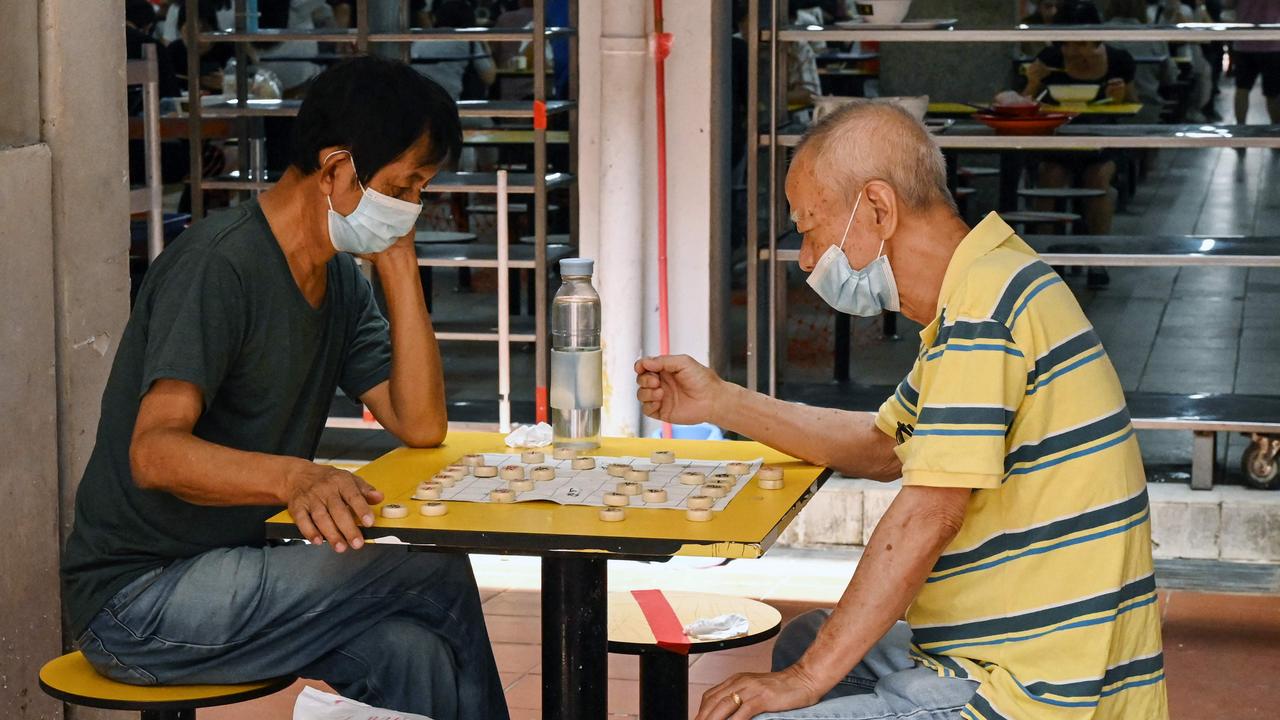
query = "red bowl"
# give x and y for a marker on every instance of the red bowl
(1023, 110)
(1028, 125)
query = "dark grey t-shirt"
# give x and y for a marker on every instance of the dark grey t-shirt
(219, 309)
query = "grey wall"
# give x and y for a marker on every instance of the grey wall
(63, 280)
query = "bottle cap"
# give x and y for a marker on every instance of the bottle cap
(577, 266)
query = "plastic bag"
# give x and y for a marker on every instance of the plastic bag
(313, 704)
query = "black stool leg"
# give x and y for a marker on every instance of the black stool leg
(187, 714)
(842, 347)
(664, 685)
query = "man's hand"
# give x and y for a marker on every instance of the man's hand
(1037, 72)
(402, 249)
(326, 502)
(678, 389)
(758, 693)
(1116, 90)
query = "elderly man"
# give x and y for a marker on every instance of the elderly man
(218, 393)
(1019, 545)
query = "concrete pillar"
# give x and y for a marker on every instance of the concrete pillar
(618, 181)
(64, 279)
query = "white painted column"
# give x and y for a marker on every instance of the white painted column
(617, 182)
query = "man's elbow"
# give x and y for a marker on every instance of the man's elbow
(424, 435)
(143, 463)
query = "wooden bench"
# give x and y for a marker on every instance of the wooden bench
(73, 680)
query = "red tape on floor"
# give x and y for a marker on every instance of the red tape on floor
(666, 627)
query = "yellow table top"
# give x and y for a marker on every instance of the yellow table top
(628, 626)
(511, 137)
(951, 108)
(746, 528)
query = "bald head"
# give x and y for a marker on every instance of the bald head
(876, 140)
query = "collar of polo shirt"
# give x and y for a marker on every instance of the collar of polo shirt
(982, 239)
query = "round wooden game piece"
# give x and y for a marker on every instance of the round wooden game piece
(485, 471)
(427, 491)
(696, 515)
(434, 509)
(512, 472)
(769, 472)
(617, 469)
(583, 463)
(724, 478)
(612, 514)
(637, 476)
(562, 453)
(460, 470)
(715, 490)
(738, 468)
(521, 485)
(655, 495)
(445, 479)
(472, 460)
(502, 495)
(542, 472)
(700, 502)
(767, 484)
(662, 457)
(614, 499)
(394, 512)
(532, 457)
(630, 488)
(692, 477)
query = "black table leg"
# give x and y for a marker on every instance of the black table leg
(841, 371)
(664, 685)
(575, 638)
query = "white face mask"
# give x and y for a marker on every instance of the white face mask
(866, 292)
(376, 223)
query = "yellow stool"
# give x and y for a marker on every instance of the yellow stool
(72, 679)
(664, 675)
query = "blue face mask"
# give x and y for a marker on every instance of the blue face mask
(376, 223)
(866, 292)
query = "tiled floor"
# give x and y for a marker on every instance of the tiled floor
(1220, 650)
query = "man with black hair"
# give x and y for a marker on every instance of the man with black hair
(222, 380)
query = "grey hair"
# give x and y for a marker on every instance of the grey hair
(878, 140)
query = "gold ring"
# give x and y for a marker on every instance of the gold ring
(737, 699)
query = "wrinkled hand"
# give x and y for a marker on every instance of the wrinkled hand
(677, 389)
(759, 693)
(1116, 90)
(327, 503)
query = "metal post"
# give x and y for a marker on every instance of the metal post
(664, 684)
(362, 26)
(540, 208)
(504, 309)
(575, 638)
(753, 194)
(774, 169)
(243, 141)
(151, 139)
(1204, 453)
(192, 40)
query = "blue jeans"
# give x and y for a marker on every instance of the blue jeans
(382, 625)
(886, 684)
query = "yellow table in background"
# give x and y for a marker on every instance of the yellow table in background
(575, 544)
(1107, 108)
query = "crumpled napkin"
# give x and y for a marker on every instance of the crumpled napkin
(723, 627)
(532, 436)
(314, 704)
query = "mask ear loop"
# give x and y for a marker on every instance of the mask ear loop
(329, 198)
(848, 225)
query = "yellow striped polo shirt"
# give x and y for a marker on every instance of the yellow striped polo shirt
(1046, 597)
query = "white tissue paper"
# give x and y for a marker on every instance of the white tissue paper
(530, 436)
(313, 704)
(723, 627)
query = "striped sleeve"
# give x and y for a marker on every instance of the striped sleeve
(897, 414)
(974, 379)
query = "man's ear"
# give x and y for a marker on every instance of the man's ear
(331, 161)
(884, 201)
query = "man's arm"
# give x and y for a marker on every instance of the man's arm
(164, 455)
(902, 551)
(411, 403)
(678, 389)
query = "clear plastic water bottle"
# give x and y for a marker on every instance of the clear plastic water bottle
(576, 369)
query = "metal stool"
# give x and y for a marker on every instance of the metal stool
(664, 675)
(73, 680)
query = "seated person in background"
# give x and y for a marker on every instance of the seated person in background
(452, 61)
(1046, 11)
(1173, 12)
(1148, 77)
(213, 56)
(242, 331)
(1019, 547)
(1087, 61)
